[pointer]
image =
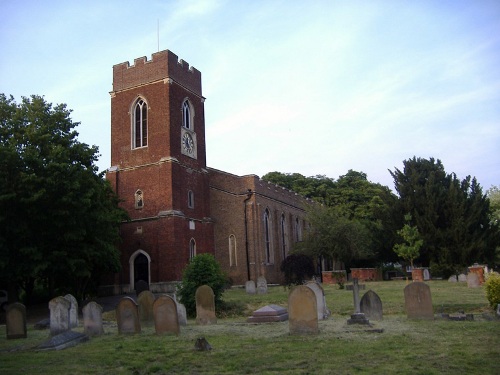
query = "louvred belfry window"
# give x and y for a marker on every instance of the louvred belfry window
(140, 123)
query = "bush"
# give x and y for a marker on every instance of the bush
(492, 286)
(297, 269)
(203, 269)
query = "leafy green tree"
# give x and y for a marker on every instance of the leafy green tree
(297, 268)
(203, 269)
(59, 217)
(410, 249)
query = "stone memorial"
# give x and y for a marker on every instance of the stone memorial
(323, 311)
(181, 313)
(165, 315)
(15, 321)
(268, 314)
(59, 315)
(358, 317)
(462, 278)
(261, 285)
(92, 319)
(63, 340)
(73, 311)
(141, 286)
(473, 280)
(205, 306)
(127, 316)
(452, 279)
(427, 274)
(145, 302)
(302, 311)
(250, 287)
(418, 301)
(371, 305)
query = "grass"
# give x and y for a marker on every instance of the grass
(404, 346)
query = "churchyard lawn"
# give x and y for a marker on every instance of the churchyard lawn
(394, 345)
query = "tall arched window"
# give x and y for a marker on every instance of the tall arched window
(267, 237)
(298, 230)
(139, 199)
(192, 248)
(283, 236)
(190, 199)
(187, 115)
(233, 261)
(140, 124)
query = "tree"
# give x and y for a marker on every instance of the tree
(410, 250)
(297, 268)
(451, 215)
(59, 217)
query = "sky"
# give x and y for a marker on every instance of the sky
(309, 87)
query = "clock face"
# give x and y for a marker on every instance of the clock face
(187, 143)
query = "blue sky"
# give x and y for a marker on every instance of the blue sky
(314, 87)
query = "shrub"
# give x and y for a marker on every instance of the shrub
(297, 269)
(492, 286)
(203, 269)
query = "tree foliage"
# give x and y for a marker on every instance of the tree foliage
(410, 249)
(59, 218)
(297, 268)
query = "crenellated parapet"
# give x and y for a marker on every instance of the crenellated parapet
(164, 65)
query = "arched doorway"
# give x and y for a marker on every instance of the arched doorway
(139, 268)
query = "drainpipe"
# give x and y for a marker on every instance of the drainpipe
(249, 195)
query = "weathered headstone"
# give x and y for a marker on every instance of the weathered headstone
(418, 301)
(302, 311)
(141, 286)
(205, 306)
(427, 274)
(15, 321)
(261, 285)
(250, 287)
(127, 316)
(92, 319)
(358, 317)
(452, 279)
(165, 315)
(73, 311)
(462, 278)
(323, 311)
(371, 305)
(59, 315)
(145, 302)
(473, 280)
(269, 313)
(181, 313)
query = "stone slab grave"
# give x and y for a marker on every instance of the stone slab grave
(92, 319)
(418, 301)
(323, 312)
(145, 302)
(473, 280)
(358, 317)
(15, 321)
(205, 306)
(460, 316)
(268, 314)
(165, 315)
(127, 316)
(73, 311)
(371, 305)
(261, 285)
(63, 340)
(59, 315)
(250, 287)
(302, 311)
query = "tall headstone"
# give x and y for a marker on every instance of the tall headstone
(371, 305)
(127, 316)
(250, 287)
(145, 301)
(358, 317)
(205, 306)
(92, 319)
(165, 315)
(323, 311)
(302, 311)
(15, 321)
(418, 301)
(181, 313)
(427, 274)
(261, 285)
(73, 311)
(473, 280)
(59, 315)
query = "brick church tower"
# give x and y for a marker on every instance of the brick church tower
(159, 169)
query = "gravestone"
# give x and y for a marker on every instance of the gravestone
(181, 313)
(269, 313)
(141, 286)
(205, 306)
(250, 287)
(498, 310)
(473, 280)
(462, 278)
(418, 301)
(371, 305)
(145, 302)
(59, 315)
(73, 311)
(323, 311)
(15, 321)
(452, 279)
(92, 319)
(427, 274)
(302, 311)
(261, 285)
(127, 316)
(165, 315)
(63, 340)
(358, 317)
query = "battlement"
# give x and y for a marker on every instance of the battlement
(163, 65)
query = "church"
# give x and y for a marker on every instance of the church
(178, 206)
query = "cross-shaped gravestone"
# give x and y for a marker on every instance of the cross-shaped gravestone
(358, 317)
